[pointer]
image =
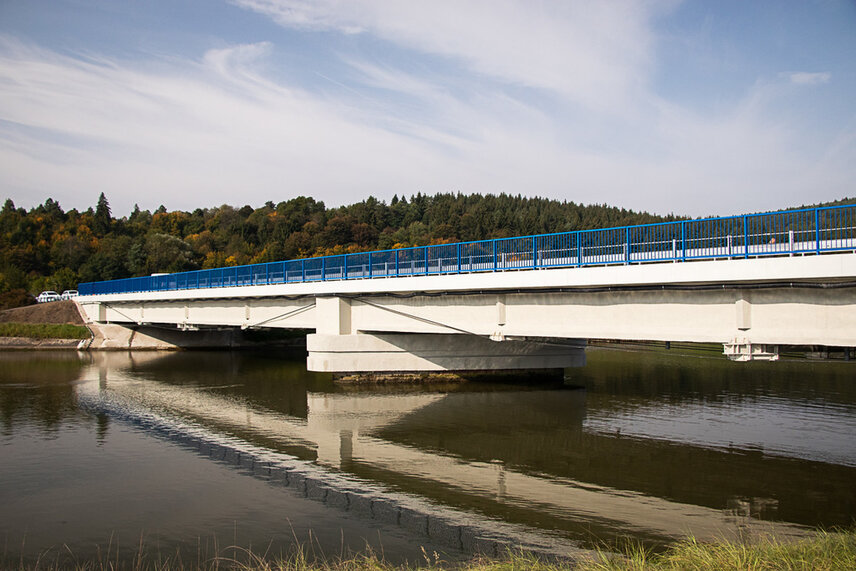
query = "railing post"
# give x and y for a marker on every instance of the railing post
(579, 249)
(627, 246)
(345, 267)
(324, 269)
(683, 241)
(817, 230)
(534, 252)
(426, 259)
(370, 264)
(396, 262)
(745, 236)
(495, 261)
(459, 258)
(303, 270)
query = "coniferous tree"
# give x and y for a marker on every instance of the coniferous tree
(101, 220)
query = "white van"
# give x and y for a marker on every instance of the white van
(69, 294)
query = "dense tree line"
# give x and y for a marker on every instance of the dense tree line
(49, 248)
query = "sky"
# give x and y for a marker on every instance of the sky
(690, 107)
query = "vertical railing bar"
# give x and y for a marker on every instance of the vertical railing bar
(627, 246)
(534, 252)
(817, 231)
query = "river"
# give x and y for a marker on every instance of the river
(197, 454)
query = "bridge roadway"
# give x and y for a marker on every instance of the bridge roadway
(508, 320)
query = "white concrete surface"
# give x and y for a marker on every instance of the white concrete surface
(657, 302)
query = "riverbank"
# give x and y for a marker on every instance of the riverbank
(830, 551)
(54, 325)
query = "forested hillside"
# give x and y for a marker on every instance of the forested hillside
(50, 248)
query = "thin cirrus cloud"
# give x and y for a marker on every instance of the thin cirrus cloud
(808, 78)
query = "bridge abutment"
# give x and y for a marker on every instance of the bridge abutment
(109, 336)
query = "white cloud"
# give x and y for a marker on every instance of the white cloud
(807, 78)
(591, 52)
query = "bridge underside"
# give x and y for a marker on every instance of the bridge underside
(518, 328)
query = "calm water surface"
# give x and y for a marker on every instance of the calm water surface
(640, 444)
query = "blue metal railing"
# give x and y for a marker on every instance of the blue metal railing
(805, 231)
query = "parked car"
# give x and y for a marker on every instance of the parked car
(69, 294)
(49, 295)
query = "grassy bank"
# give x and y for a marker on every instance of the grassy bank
(823, 552)
(43, 331)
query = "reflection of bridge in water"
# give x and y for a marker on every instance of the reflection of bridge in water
(522, 456)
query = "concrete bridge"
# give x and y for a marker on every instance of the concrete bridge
(753, 283)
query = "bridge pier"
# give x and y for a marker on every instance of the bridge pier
(404, 352)
(744, 350)
(339, 347)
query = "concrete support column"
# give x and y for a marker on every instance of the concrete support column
(333, 316)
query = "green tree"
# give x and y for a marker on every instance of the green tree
(165, 253)
(102, 220)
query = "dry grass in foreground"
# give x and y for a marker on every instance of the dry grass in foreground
(826, 551)
(831, 551)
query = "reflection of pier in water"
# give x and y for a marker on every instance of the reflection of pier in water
(511, 454)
